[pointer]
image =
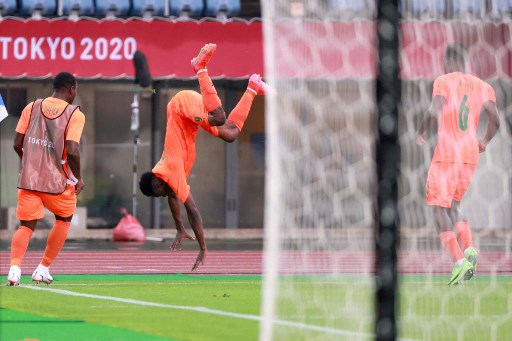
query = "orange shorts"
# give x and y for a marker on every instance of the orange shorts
(31, 204)
(448, 181)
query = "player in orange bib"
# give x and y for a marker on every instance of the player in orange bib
(47, 141)
(186, 112)
(458, 99)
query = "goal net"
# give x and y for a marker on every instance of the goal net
(319, 283)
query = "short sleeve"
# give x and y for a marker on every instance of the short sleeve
(440, 88)
(75, 126)
(24, 120)
(191, 106)
(489, 93)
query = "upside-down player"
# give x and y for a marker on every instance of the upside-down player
(47, 141)
(458, 99)
(186, 112)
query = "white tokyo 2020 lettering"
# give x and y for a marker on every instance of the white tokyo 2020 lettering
(67, 48)
(41, 142)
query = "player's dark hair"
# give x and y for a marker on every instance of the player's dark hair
(64, 80)
(457, 52)
(146, 183)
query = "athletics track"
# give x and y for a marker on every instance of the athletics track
(134, 261)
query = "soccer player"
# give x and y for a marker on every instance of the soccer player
(47, 141)
(458, 99)
(186, 112)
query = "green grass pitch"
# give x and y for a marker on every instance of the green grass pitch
(183, 307)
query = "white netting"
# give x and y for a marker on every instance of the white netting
(321, 180)
(320, 175)
(431, 310)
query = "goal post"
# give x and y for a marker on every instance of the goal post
(388, 157)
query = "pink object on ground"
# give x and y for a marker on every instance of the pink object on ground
(128, 229)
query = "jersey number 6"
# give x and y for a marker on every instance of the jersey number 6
(463, 114)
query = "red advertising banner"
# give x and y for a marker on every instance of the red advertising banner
(348, 49)
(314, 49)
(104, 48)
(423, 45)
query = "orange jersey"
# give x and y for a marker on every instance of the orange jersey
(185, 114)
(464, 97)
(53, 107)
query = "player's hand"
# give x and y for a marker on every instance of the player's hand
(79, 186)
(420, 139)
(200, 259)
(482, 145)
(181, 235)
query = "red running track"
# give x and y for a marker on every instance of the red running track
(250, 262)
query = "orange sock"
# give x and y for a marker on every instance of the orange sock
(210, 99)
(241, 111)
(56, 239)
(449, 242)
(19, 244)
(464, 234)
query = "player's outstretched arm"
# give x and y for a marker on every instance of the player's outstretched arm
(181, 233)
(492, 127)
(196, 222)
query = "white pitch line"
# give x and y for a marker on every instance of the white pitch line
(152, 283)
(206, 311)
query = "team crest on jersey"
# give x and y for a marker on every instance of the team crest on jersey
(198, 119)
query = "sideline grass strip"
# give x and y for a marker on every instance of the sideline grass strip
(25, 326)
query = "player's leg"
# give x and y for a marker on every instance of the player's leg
(19, 246)
(236, 119)
(29, 210)
(439, 196)
(62, 206)
(446, 235)
(55, 242)
(440, 189)
(461, 224)
(462, 268)
(465, 238)
(211, 100)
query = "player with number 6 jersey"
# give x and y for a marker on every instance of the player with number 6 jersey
(458, 99)
(464, 97)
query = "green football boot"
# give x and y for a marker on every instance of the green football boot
(471, 254)
(461, 272)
